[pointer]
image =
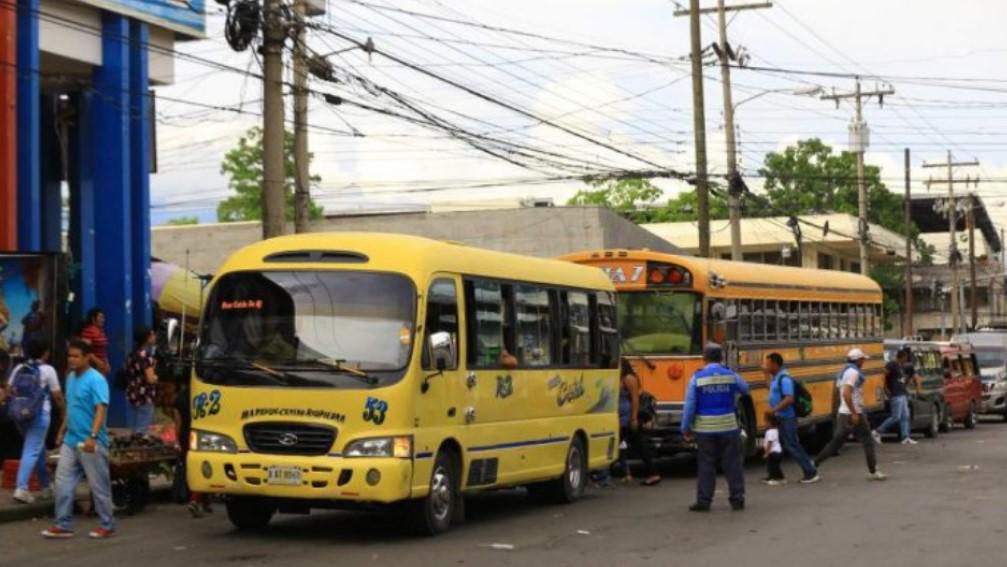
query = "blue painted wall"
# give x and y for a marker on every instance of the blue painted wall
(185, 17)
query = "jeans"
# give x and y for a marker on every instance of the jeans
(724, 448)
(33, 457)
(899, 415)
(773, 469)
(140, 418)
(863, 432)
(792, 445)
(74, 462)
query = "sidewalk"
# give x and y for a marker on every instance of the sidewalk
(11, 511)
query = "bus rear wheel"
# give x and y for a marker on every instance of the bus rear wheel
(570, 487)
(432, 515)
(249, 513)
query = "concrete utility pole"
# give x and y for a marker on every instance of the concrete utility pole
(699, 125)
(907, 330)
(952, 212)
(971, 223)
(859, 140)
(273, 174)
(726, 54)
(302, 179)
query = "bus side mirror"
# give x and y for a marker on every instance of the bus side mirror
(442, 350)
(167, 336)
(718, 312)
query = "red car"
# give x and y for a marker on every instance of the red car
(963, 390)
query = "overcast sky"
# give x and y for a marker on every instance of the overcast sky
(945, 61)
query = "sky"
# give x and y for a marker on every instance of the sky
(603, 85)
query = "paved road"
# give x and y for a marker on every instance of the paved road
(944, 505)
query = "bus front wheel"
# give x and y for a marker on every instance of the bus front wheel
(248, 513)
(432, 515)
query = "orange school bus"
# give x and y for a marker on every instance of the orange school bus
(669, 306)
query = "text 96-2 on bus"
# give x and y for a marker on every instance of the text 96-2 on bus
(669, 306)
(348, 370)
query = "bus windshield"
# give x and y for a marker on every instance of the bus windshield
(309, 328)
(990, 358)
(660, 322)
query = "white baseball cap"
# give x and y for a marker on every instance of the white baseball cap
(856, 354)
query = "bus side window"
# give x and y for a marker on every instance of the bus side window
(745, 320)
(772, 320)
(484, 310)
(606, 333)
(442, 316)
(576, 323)
(533, 315)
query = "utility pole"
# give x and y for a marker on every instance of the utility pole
(859, 140)
(971, 223)
(302, 174)
(952, 212)
(907, 330)
(273, 133)
(726, 54)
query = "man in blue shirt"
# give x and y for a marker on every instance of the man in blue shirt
(781, 403)
(83, 441)
(710, 419)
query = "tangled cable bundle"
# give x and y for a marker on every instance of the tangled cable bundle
(244, 19)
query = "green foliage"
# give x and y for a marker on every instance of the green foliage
(892, 281)
(183, 221)
(243, 167)
(638, 200)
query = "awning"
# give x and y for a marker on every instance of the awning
(921, 209)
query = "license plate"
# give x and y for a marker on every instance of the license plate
(289, 476)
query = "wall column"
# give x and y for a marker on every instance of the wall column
(140, 130)
(50, 178)
(82, 204)
(113, 206)
(8, 127)
(28, 125)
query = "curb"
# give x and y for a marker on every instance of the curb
(43, 510)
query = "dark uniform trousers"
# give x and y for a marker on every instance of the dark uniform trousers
(725, 449)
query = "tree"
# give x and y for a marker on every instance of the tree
(638, 200)
(243, 167)
(182, 221)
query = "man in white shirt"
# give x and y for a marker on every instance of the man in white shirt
(851, 415)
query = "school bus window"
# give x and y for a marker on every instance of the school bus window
(607, 331)
(771, 321)
(878, 322)
(534, 325)
(731, 320)
(791, 311)
(831, 319)
(744, 320)
(661, 322)
(442, 316)
(577, 329)
(485, 309)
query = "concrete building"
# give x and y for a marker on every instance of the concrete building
(827, 241)
(535, 231)
(932, 304)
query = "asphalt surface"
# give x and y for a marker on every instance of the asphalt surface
(944, 504)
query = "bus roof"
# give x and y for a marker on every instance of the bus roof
(746, 275)
(412, 255)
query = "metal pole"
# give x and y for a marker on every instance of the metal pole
(972, 262)
(699, 125)
(273, 133)
(865, 268)
(908, 328)
(734, 198)
(302, 182)
(952, 220)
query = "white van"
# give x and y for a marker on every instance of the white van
(991, 351)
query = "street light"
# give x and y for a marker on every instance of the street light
(810, 91)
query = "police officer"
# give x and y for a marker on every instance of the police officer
(710, 419)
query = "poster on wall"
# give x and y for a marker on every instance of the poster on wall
(27, 301)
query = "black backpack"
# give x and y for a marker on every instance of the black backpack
(803, 404)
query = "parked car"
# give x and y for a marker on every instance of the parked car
(991, 353)
(963, 391)
(926, 395)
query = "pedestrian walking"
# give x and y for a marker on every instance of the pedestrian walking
(898, 399)
(710, 418)
(93, 333)
(83, 441)
(782, 392)
(851, 417)
(772, 451)
(633, 423)
(141, 381)
(34, 388)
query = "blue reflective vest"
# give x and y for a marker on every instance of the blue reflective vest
(710, 400)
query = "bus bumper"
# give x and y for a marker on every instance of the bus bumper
(378, 480)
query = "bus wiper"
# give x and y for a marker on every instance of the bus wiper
(337, 365)
(246, 364)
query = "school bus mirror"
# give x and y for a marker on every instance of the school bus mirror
(167, 336)
(718, 311)
(442, 350)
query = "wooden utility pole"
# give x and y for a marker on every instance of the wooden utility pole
(273, 174)
(302, 174)
(952, 212)
(907, 330)
(699, 125)
(859, 140)
(971, 223)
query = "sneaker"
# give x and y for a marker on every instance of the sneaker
(101, 533)
(909, 441)
(877, 436)
(45, 494)
(776, 482)
(56, 532)
(23, 496)
(195, 510)
(877, 475)
(811, 479)
(697, 507)
(766, 480)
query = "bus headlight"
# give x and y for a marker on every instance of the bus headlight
(399, 447)
(211, 442)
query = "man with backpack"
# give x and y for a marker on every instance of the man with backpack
(33, 387)
(788, 399)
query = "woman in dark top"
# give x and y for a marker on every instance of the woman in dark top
(632, 430)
